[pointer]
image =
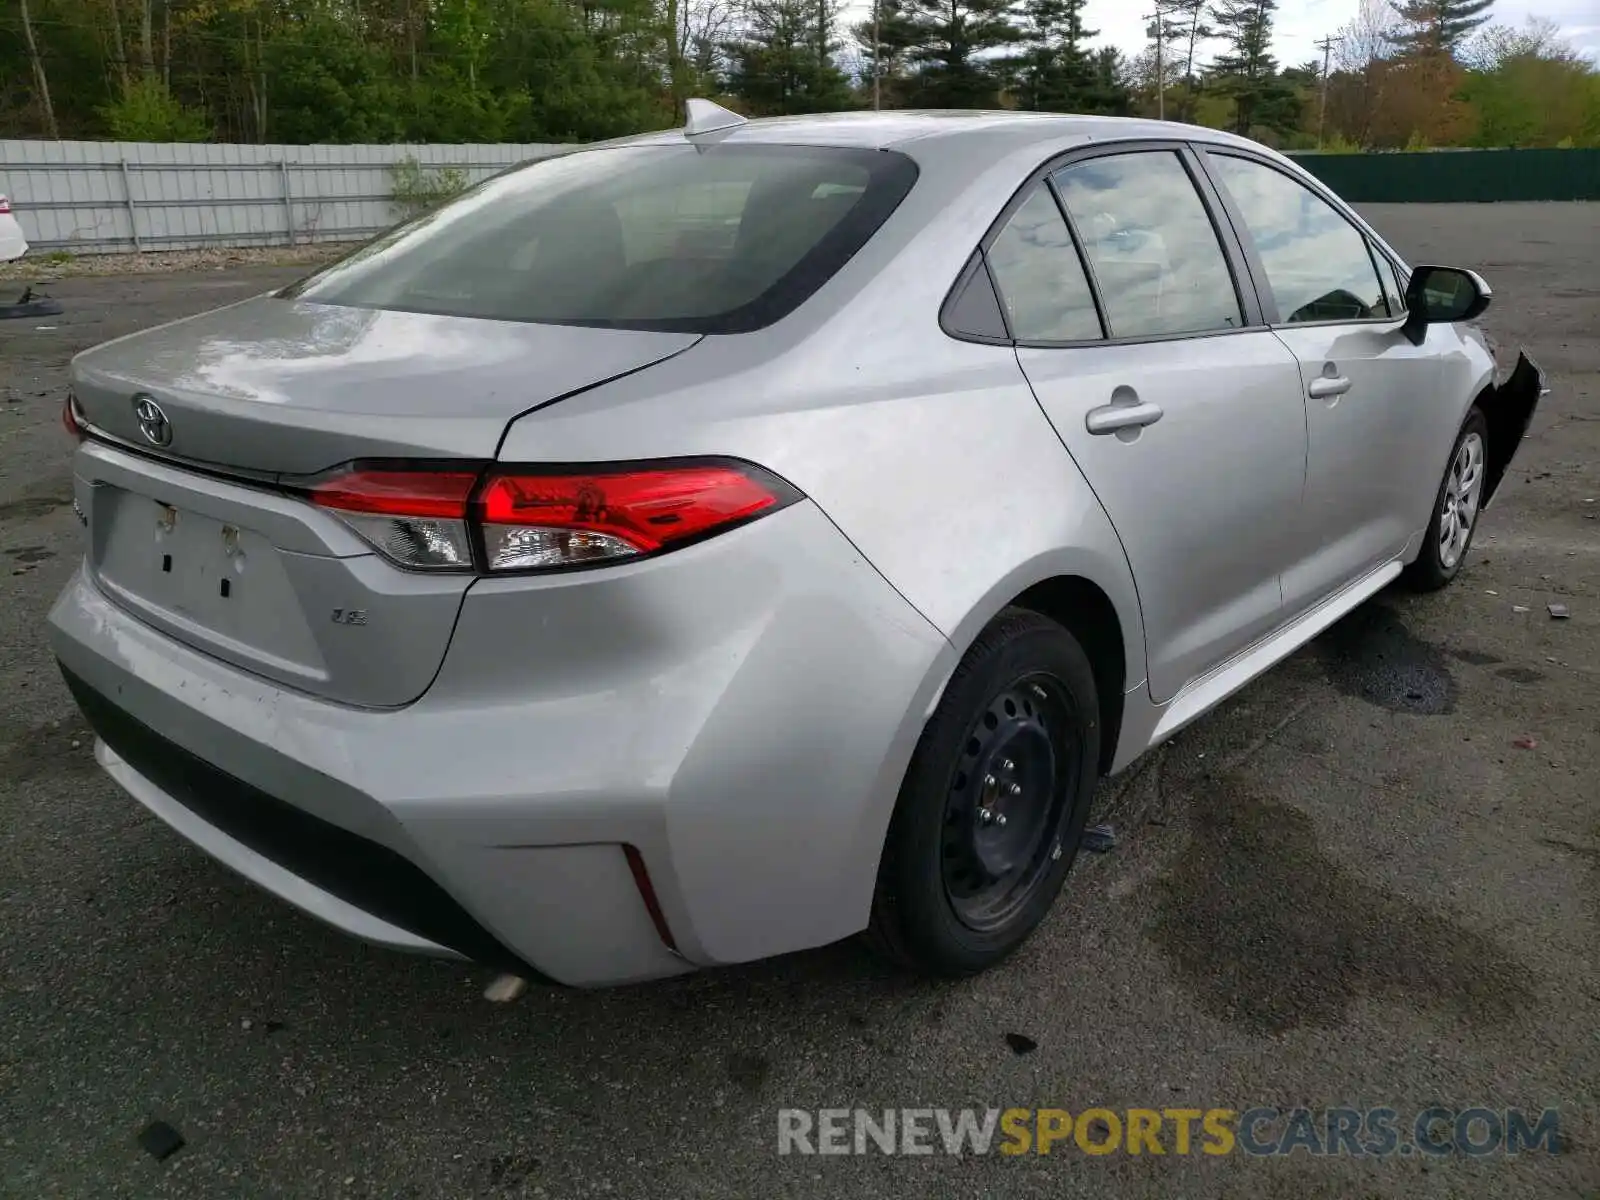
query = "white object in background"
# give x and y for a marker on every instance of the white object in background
(12, 243)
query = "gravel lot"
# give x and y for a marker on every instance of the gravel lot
(1347, 887)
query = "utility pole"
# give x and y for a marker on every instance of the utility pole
(1161, 64)
(1326, 45)
(1161, 61)
(877, 61)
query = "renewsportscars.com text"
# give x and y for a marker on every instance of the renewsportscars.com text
(1261, 1132)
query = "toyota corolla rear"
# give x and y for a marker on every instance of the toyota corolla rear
(600, 720)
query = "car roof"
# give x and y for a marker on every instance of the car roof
(960, 132)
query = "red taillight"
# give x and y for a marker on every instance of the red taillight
(5, 207)
(527, 519)
(537, 520)
(399, 492)
(415, 516)
(647, 893)
(69, 414)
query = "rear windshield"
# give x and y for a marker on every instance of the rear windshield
(699, 239)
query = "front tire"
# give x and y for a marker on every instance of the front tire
(1455, 509)
(992, 808)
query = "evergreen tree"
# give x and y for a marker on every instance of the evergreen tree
(951, 51)
(1435, 27)
(1247, 72)
(897, 33)
(785, 62)
(1193, 32)
(1058, 69)
(1111, 95)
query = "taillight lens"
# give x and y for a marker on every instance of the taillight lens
(5, 207)
(416, 517)
(528, 519)
(72, 417)
(537, 520)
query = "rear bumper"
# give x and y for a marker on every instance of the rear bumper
(741, 712)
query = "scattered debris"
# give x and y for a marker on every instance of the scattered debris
(1021, 1043)
(160, 1140)
(1526, 743)
(1519, 608)
(246, 1023)
(503, 989)
(1492, 592)
(1559, 612)
(1102, 839)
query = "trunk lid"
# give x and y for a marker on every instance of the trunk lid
(198, 538)
(271, 386)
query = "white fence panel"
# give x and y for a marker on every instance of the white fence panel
(108, 197)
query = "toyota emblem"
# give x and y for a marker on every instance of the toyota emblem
(153, 422)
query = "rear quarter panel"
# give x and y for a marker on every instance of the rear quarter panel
(930, 454)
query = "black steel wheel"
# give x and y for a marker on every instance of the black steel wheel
(993, 806)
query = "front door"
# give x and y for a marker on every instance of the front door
(1372, 417)
(1185, 422)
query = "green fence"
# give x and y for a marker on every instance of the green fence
(1459, 176)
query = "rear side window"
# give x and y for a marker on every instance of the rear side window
(1040, 278)
(1317, 263)
(700, 239)
(1155, 254)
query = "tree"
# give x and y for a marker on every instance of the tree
(785, 61)
(890, 56)
(952, 51)
(1438, 27)
(39, 76)
(1193, 32)
(1247, 72)
(1496, 45)
(1058, 69)
(1529, 87)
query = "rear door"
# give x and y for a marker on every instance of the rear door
(1374, 416)
(1181, 411)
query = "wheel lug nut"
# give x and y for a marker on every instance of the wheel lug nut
(1016, 789)
(1000, 820)
(1008, 765)
(988, 781)
(985, 816)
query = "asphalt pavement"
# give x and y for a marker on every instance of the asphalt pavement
(1370, 880)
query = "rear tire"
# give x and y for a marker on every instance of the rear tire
(1456, 508)
(992, 808)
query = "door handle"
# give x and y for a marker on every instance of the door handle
(1110, 418)
(1328, 387)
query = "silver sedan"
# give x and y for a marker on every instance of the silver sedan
(729, 540)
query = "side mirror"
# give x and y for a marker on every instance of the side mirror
(1443, 296)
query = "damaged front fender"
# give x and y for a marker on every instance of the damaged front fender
(1509, 409)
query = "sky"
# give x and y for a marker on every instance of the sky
(1302, 22)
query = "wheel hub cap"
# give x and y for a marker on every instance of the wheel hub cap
(1463, 492)
(1005, 804)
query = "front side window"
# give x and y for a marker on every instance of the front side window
(1317, 263)
(1396, 280)
(1156, 256)
(1040, 278)
(697, 239)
